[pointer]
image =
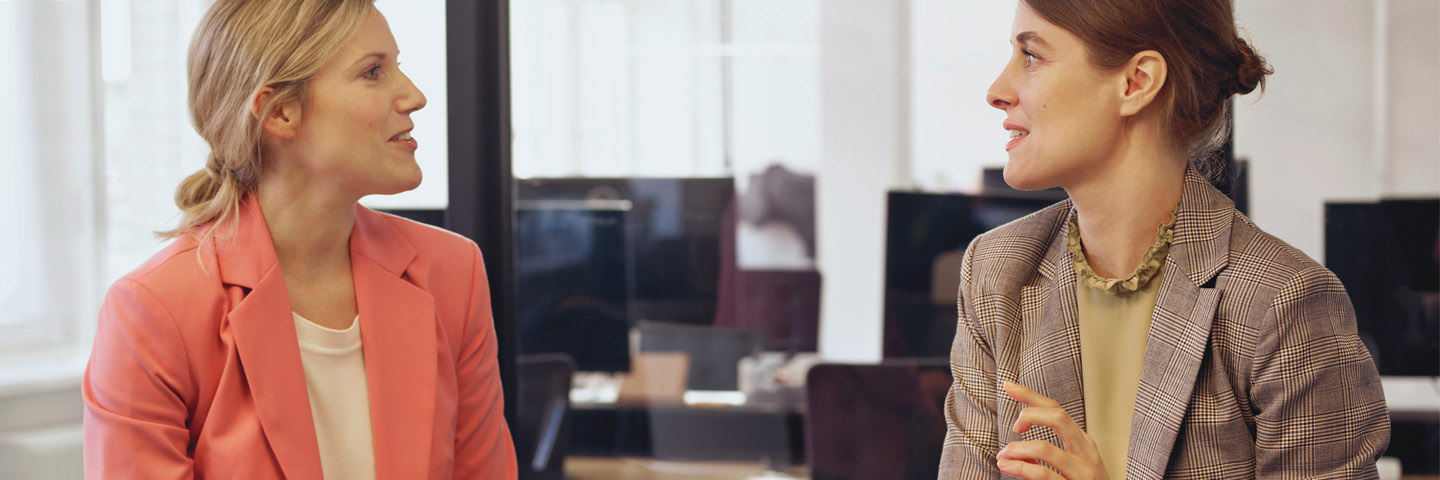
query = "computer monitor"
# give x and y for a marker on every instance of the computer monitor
(925, 235)
(674, 229)
(1387, 254)
(574, 281)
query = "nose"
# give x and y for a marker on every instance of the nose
(411, 98)
(1000, 95)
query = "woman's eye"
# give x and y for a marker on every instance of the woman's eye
(1030, 58)
(373, 72)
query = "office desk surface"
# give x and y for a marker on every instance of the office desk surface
(640, 468)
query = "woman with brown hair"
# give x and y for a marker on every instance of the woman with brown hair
(287, 331)
(1151, 328)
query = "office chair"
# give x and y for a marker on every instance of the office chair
(882, 422)
(543, 415)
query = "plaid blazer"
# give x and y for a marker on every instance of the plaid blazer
(1252, 368)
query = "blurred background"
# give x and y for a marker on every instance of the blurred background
(722, 235)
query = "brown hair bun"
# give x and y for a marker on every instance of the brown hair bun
(1251, 71)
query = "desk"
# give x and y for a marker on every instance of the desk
(640, 468)
(1414, 399)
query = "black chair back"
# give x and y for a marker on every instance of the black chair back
(543, 415)
(884, 421)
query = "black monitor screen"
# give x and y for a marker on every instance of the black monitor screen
(921, 228)
(674, 228)
(573, 282)
(1388, 256)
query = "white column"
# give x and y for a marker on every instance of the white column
(863, 134)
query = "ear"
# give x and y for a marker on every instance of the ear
(1144, 75)
(283, 121)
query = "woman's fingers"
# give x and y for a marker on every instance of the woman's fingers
(1076, 440)
(1050, 415)
(1033, 451)
(1027, 396)
(1078, 459)
(1027, 471)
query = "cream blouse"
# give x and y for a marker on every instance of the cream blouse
(334, 365)
(1114, 329)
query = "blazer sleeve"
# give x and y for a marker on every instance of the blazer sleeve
(971, 437)
(483, 448)
(1320, 410)
(135, 390)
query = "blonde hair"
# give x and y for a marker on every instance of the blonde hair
(239, 48)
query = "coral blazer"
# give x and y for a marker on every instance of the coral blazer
(196, 371)
(1252, 369)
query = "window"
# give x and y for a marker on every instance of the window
(101, 136)
(48, 243)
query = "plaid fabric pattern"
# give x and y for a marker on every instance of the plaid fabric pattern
(1253, 368)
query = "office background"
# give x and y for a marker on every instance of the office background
(732, 168)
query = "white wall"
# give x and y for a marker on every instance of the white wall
(957, 48)
(1351, 112)
(422, 58)
(1310, 137)
(1412, 97)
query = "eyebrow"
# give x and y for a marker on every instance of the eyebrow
(376, 55)
(1030, 37)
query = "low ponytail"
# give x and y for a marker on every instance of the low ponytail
(206, 196)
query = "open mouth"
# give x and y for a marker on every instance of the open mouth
(1016, 135)
(404, 139)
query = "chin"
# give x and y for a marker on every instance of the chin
(1020, 176)
(407, 185)
(399, 184)
(413, 182)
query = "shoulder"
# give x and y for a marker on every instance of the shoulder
(1277, 281)
(440, 255)
(1015, 250)
(428, 238)
(176, 290)
(176, 272)
(1260, 260)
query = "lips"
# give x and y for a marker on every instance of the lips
(404, 139)
(1017, 133)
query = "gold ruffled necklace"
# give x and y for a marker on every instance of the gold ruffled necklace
(1149, 263)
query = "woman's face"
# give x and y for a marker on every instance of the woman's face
(354, 131)
(1062, 113)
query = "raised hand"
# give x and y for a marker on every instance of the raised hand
(1077, 460)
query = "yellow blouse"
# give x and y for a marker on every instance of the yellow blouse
(1114, 328)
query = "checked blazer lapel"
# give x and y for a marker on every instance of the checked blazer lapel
(1053, 366)
(1180, 326)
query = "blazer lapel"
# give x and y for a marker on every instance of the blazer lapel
(1180, 326)
(264, 334)
(397, 329)
(1049, 311)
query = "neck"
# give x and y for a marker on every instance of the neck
(309, 228)
(1120, 207)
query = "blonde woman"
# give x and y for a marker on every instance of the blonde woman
(288, 332)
